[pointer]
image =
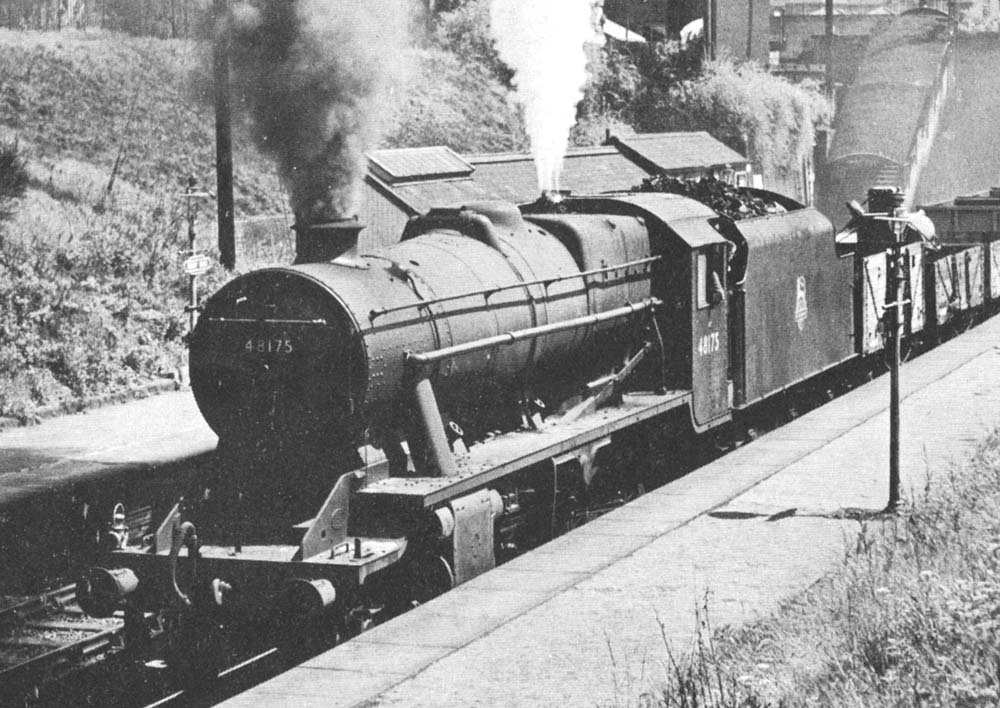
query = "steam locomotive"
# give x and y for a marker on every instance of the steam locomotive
(395, 423)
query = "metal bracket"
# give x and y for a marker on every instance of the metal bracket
(584, 456)
(441, 461)
(472, 538)
(601, 390)
(165, 533)
(329, 529)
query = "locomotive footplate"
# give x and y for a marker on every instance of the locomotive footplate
(506, 454)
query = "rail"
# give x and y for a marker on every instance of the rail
(46, 635)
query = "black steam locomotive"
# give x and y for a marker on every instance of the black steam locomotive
(395, 423)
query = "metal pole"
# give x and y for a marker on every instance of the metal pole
(223, 141)
(192, 279)
(895, 330)
(708, 29)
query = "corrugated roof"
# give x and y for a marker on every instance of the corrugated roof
(409, 164)
(678, 151)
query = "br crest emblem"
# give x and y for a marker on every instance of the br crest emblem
(801, 307)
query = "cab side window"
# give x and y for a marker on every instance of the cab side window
(710, 278)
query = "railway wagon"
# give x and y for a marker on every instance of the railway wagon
(395, 423)
(973, 219)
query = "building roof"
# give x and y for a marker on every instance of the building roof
(677, 151)
(586, 171)
(421, 196)
(407, 164)
(419, 178)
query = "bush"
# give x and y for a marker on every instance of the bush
(457, 104)
(465, 32)
(765, 117)
(13, 171)
(91, 312)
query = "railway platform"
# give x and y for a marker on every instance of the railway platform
(583, 620)
(121, 443)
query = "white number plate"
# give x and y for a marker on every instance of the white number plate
(709, 344)
(269, 345)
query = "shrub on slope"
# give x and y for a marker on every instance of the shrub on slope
(93, 310)
(767, 118)
(456, 104)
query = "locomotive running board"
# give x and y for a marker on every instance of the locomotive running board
(496, 458)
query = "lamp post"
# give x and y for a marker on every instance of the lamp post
(895, 280)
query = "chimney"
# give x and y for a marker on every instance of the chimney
(335, 240)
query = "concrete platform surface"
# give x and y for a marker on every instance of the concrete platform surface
(584, 620)
(114, 440)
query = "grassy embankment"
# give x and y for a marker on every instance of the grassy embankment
(911, 619)
(109, 127)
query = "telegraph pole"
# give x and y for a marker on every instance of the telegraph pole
(223, 139)
(829, 48)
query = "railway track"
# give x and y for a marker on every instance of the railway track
(46, 637)
(51, 652)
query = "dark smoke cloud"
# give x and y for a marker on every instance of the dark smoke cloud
(314, 75)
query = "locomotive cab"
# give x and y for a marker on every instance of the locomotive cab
(690, 279)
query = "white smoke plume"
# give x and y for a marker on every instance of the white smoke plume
(314, 77)
(542, 41)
